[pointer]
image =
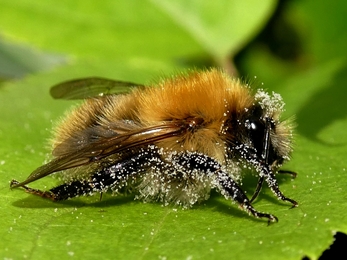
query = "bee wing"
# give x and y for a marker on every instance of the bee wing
(102, 147)
(93, 134)
(90, 87)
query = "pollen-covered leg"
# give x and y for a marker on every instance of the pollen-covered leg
(265, 173)
(101, 181)
(71, 190)
(273, 185)
(231, 189)
(116, 175)
(64, 191)
(61, 192)
(228, 187)
(261, 182)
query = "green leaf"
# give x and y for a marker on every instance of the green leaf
(16, 60)
(138, 28)
(96, 30)
(221, 27)
(37, 228)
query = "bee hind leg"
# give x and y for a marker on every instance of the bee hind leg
(44, 194)
(110, 176)
(61, 192)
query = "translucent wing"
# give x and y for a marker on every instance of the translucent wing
(90, 87)
(103, 146)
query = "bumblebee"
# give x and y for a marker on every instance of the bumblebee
(171, 142)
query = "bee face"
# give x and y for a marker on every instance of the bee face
(173, 142)
(268, 138)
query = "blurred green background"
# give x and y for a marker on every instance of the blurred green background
(296, 48)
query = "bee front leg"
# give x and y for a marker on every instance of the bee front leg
(227, 186)
(258, 188)
(273, 185)
(265, 173)
(230, 189)
(261, 181)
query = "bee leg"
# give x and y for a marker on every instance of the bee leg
(258, 189)
(230, 189)
(293, 174)
(227, 186)
(44, 194)
(273, 185)
(110, 176)
(71, 190)
(272, 182)
(265, 173)
(260, 184)
(62, 192)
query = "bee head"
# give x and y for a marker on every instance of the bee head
(259, 133)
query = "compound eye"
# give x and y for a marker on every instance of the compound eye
(256, 133)
(253, 125)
